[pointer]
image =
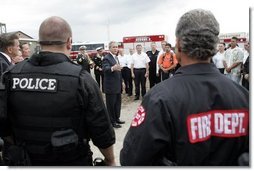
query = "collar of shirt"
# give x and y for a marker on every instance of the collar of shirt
(199, 68)
(7, 57)
(48, 58)
(141, 54)
(113, 55)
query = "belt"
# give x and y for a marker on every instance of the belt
(139, 68)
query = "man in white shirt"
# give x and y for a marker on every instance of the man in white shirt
(246, 51)
(126, 71)
(140, 71)
(233, 61)
(219, 57)
(129, 61)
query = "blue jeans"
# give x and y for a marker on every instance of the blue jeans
(235, 78)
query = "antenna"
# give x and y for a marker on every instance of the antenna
(108, 29)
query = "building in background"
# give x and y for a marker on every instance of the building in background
(24, 38)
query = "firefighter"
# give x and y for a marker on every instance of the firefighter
(54, 107)
(84, 60)
(196, 118)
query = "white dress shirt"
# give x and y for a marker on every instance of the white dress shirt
(218, 59)
(246, 54)
(129, 60)
(140, 60)
(7, 57)
(123, 60)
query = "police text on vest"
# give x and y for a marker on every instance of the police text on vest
(220, 123)
(34, 84)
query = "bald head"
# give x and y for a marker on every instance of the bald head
(54, 29)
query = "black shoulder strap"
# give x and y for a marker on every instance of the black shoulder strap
(82, 122)
(18, 67)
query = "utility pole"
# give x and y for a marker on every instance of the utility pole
(108, 29)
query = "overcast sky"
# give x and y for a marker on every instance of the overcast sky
(101, 20)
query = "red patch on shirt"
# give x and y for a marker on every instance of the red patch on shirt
(139, 117)
(217, 123)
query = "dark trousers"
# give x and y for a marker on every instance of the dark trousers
(99, 78)
(113, 102)
(126, 75)
(245, 83)
(140, 79)
(153, 78)
(221, 70)
(165, 75)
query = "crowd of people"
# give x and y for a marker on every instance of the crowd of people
(52, 107)
(234, 61)
(231, 61)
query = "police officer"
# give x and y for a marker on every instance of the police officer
(98, 66)
(84, 60)
(191, 119)
(55, 107)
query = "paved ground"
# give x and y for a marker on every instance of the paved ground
(129, 107)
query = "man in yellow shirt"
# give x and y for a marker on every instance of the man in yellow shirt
(167, 62)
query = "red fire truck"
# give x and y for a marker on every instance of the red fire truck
(145, 41)
(242, 38)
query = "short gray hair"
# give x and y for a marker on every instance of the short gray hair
(111, 44)
(197, 31)
(7, 39)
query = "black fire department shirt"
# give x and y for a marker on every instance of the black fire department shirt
(198, 117)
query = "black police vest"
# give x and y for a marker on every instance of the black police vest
(43, 100)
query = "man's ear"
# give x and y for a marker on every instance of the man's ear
(178, 46)
(178, 51)
(69, 42)
(9, 49)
